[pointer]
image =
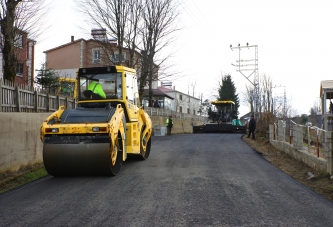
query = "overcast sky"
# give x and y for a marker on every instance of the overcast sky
(294, 39)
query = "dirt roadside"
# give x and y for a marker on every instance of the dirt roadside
(321, 183)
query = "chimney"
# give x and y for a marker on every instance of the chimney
(72, 38)
(99, 34)
(113, 41)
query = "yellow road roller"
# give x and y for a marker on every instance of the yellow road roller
(106, 126)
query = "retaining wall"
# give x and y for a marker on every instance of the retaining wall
(180, 126)
(20, 143)
(297, 151)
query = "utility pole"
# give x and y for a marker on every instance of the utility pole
(247, 68)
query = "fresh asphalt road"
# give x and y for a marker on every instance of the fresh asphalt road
(188, 180)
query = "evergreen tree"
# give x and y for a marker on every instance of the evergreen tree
(304, 119)
(47, 79)
(227, 91)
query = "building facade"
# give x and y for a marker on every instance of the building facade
(181, 102)
(98, 51)
(25, 53)
(66, 59)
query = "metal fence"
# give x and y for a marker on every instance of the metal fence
(16, 98)
(165, 113)
(313, 139)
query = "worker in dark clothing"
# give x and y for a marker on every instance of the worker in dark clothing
(156, 104)
(252, 127)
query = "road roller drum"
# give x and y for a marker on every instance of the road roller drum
(106, 125)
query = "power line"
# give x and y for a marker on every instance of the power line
(189, 12)
(199, 10)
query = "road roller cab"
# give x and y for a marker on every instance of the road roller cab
(106, 126)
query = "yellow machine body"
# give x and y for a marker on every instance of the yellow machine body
(223, 119)
(96, 137)
(67, 87)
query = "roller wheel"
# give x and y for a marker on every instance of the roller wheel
(116, 156)
(144, 146)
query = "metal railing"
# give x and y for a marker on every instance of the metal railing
(15, 98)
(165, 113)
(312, 138)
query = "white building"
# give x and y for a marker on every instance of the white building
(183, 103)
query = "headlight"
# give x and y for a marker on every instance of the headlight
(54, 130)
(99, 129)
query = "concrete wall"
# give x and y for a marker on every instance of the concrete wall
(179, 126)
(297, 151)
(20, 143)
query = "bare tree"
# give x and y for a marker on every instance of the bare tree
(131, 37)
(264, 98)
(266, 89)
(30, 17)
(159, 22)
(138, 25)
(204, 106)
(120, 18)
(264, 101)
(272, 106)
(315, 109)
(290, 110)
(8, 9)
(248, 96)
(17, 15)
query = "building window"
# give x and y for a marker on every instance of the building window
(96, 56)
(19, 70)
(189, 99)
(180, 109)
(18, 42)
(180, 97)
(188, 111)
(115, 57)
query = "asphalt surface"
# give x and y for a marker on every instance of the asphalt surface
(188, 180)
